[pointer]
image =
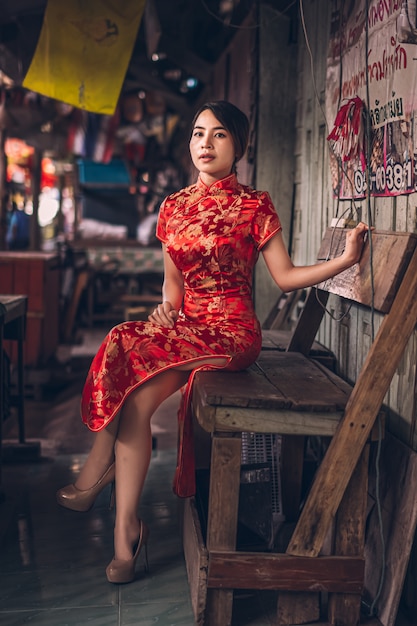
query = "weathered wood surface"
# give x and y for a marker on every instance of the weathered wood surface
(391, 252)
(284, 393)
(277, 381)
(222, 518)
(279, 340)
(349, 540)
(297, 608)
(287, 393)
(309, 322)
(363, 406)
(196, 560)
(247, 570)
(398, 494)
(280, 314)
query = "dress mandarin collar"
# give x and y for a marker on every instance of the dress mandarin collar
(229, 183)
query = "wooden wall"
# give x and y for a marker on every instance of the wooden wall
(275, 163)
(314, 207)
(282, 88)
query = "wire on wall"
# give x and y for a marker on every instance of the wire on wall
(227, 23)
(369, 214)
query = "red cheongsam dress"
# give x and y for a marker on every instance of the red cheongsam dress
(213, 235)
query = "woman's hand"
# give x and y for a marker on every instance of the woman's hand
(164, 315)
(355, 239)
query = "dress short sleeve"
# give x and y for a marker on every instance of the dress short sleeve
(266, 222)
(161, 223)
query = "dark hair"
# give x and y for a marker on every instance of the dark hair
(233, 120)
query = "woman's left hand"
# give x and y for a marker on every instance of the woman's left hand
(164, 315)
(355, 239)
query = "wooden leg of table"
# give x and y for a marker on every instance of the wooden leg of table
(222, 519)
(294, 607)
(20, 380)
(1, 406)
(292, 460)
(344, 609)
(81, 284)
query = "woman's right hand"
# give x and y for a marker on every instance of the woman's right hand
(355, 239)
(164, 315)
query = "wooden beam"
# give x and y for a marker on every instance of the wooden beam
(222, 518)
(248, 570)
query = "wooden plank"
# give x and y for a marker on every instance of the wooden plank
(247, 389)
(397, 482)
(344, 609)
(222, 517)
(294, 608)
(363, 405)
(309, 322)
(251, 570)
(277, 381)
(391, 252)
(306, 386)
(226, 455)
(284, 422)
(297, 608)
(196, 559)
(280, 314)
(279, 340)
(292, 462)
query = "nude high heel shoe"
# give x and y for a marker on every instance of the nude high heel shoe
(123, 571)
(82, 500)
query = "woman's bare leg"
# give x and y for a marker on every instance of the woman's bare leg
(128, 439)
(100, 456)
(133, 448)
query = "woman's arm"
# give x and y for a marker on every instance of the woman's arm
(166, 313)
(289, 277)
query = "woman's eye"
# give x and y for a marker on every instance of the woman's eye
(220, 135)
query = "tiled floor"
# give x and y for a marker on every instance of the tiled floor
(52, 560)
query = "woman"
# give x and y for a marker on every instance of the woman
(211, 234)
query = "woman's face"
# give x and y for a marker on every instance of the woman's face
(212, 148)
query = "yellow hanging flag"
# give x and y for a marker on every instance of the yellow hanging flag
(83, 52)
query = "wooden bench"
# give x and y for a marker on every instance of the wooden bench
(293, 395)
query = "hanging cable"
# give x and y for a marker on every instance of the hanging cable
(370, 221)
(239, 26)
(341, 166)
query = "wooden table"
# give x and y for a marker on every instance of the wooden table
(284, 394)
(13, 326)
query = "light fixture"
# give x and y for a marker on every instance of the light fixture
(158, 56)
(191, 82)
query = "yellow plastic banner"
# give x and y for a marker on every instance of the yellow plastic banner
(83, 52)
